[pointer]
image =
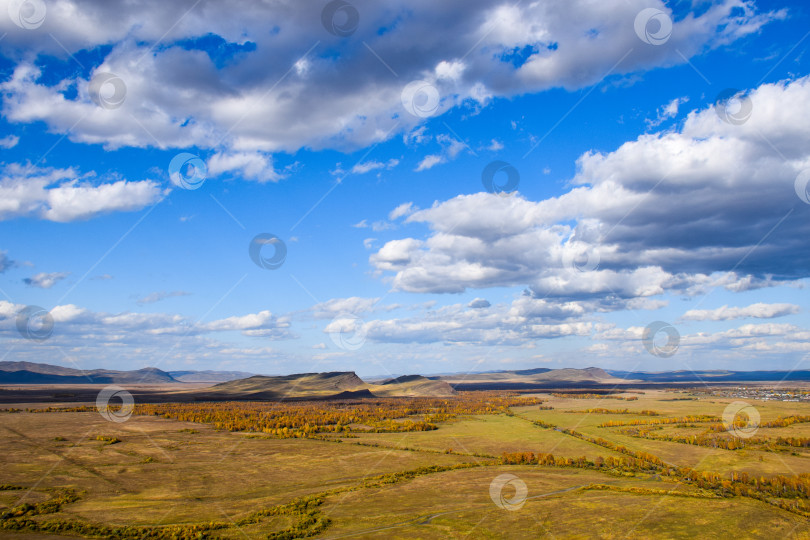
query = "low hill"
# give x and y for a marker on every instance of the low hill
(714, 376)
(534, 371)
(404, 379)
(209, 376)
(413, 386)
(571, 374)
(291, 386)
(530, 378)
(336, 384)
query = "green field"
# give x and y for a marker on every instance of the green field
(158, 477)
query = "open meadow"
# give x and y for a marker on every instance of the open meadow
(478, 465)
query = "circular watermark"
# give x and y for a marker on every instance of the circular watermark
(653, 26)
(27, 14)
(35, 323)
(107, 90)
(652, 339)
(111, 411)
(187, 171)
(580, 257)
(259, 243)
(348, 331)
(802, 186)
(340, 18)
(496, 492)
(500, 168)
(733, 106)
(420, 98)
(741, 419)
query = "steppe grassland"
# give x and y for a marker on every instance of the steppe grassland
(162, 472)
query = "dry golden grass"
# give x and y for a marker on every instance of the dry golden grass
(165, 472)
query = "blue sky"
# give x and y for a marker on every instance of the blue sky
(644, 195)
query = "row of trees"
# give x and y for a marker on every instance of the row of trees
(640, 456)
(702, 439)
(791, 493)
(716, 435)
(593, 396)
(784, 421)
(690, 419)
(626, 464)
(788, 492)
(599, 410)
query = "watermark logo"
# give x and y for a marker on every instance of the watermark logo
(347, 331)
(580, 257)
(35, 323)
(733, 106)
(653, 26)
(107, 90)
(500, 168)
(27, 14)
(802, 184)
(187, 171)
(741, 419)
(340, 18)
(499, 485)
(258, 246)
(420, 98)
(652, 339)
(112, 411)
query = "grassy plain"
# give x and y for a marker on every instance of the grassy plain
(156, 473)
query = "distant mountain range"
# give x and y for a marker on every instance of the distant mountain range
(714, 376)
(242, 385)
(35, 373)
(535, 375)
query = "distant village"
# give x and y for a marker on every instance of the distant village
(758, 392)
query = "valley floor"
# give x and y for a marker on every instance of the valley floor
(155, 476)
